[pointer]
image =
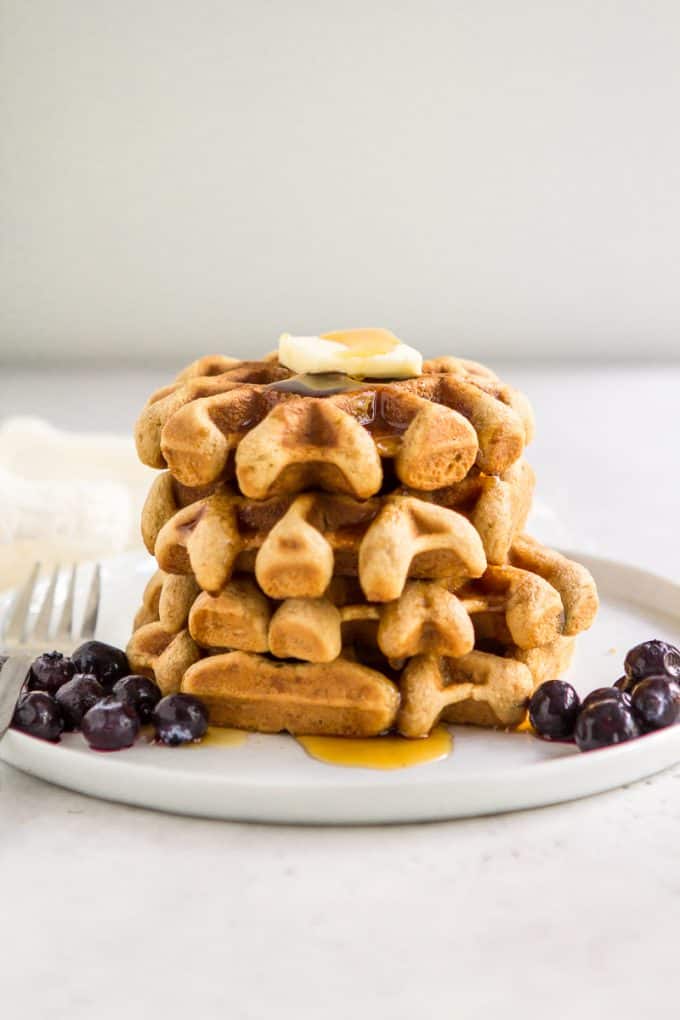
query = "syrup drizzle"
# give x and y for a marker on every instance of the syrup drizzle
(317, 384)
(374, 413)
(389, 752)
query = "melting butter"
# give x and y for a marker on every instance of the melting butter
(364, 353)
(364, 341)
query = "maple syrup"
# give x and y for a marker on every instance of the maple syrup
(317, 384)
(382, 753)
(218, 736)
(525, 726)
(389, 752)
(380, 419)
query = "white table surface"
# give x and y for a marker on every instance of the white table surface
(567, 912)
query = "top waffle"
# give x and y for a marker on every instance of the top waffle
(278, 433)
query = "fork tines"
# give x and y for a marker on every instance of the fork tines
(19, 630)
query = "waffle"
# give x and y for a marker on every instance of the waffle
(278, 435)
(347, 557)
(425, 618)
(574, 583)
(295, 544)
(538, 596)
(167, 600)
(354, 652)
(163, 656)
(383, 542)
(480, 688)
(497, 506)
(507, 605)
(345, 697)
(253, 693)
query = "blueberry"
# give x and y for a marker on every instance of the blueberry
(39, 715)
(110, 725)
(77, 697)
(180, 718)
(140, 692)
(674, 685)
(606, 694)
(553, 709)
(106, 662)
(605, 723)
(654, 703)
(49, 671)
(652, 658)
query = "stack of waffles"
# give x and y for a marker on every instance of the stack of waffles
(348, 557)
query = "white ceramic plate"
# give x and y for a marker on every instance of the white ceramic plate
(272, 779)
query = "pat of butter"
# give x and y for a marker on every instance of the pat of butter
(366, 353)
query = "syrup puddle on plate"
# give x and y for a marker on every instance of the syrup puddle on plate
(215, 737)
(390, 752)
(219, 737)
(524, 727)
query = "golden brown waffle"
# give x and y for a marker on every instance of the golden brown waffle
(539, 596)
(190, 386)
(346, 698)
(276, 436)
(218, 364)
(480, 688)
(163, 656)
(251, 692)
(497, 507)
(507, 605)
(514, 607)
(574, 583)
(295, 544)
(167, 599)
(399, 591)
(426, 617)
(384, 541)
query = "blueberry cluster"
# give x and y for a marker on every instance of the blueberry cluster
(94, 691)
(645, 698)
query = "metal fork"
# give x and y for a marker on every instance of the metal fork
(21, 642)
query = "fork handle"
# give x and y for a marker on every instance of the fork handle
(12, 676)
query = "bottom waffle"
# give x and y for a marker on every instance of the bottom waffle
(480, 688)
(358, 694)
(252, 692)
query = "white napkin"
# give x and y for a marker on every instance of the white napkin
(65, 497)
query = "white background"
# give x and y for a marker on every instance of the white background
(489, 178)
